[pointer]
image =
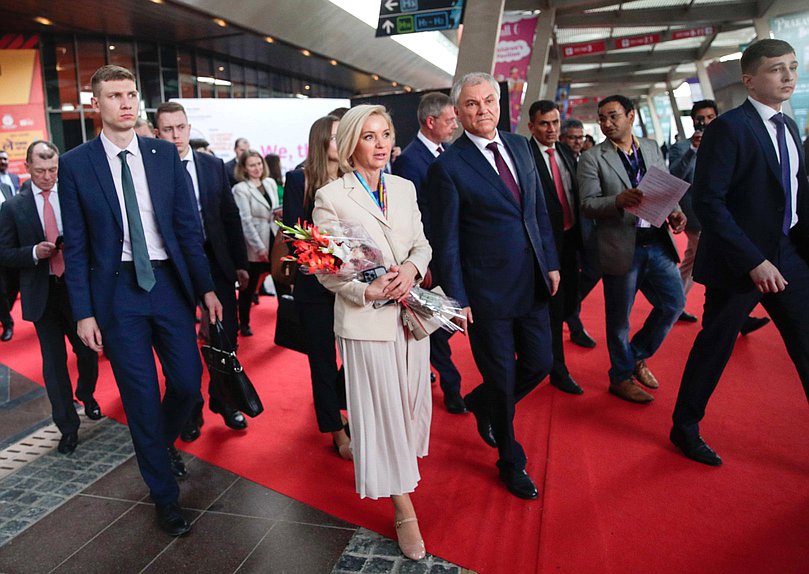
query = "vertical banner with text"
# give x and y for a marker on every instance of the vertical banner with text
(22, 105)
(513, 55)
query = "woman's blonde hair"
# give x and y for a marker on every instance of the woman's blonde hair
(241, 171)
(350, 129)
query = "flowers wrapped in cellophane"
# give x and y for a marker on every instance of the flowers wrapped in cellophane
(348, 251)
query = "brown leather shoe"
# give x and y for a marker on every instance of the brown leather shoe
(630, 391)
(645, 376)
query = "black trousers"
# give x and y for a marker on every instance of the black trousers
(328, 382)
(55, 324)
(9, 289)
(590, 271)
(724, 313)
(441, 359)
(566, 301)
(257, 270)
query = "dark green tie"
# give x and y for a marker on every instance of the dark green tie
(140, 254)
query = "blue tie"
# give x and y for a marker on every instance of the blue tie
(137, 238)
(786, 180)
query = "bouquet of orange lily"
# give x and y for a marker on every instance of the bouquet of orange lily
(350, 252)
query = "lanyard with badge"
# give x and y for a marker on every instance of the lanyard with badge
(380, 196)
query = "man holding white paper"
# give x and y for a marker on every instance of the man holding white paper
(634, 255)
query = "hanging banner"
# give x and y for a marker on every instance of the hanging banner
(22, 105)
(583, 49)
(513, 55)
(793, 29)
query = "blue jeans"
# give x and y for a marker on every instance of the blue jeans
(655, 274)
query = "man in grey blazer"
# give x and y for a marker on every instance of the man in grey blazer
(633, 254)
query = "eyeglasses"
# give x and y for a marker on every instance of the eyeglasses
(613, 117)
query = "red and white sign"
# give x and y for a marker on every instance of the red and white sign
(693, 33)
(644, 40)
(572, 50)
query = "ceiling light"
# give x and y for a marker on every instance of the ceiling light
(408, 89)
(307, 87)
(43, 21)
(333, 62)
(157, 1)
(213, 81)
(306, 52)
(219, 22)
(394, 84)
(221, 68)
(374, 76)
(731, 57)
(269, 39)
(112, 47)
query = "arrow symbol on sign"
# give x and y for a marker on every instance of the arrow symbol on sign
(390, 5)
(387, 26)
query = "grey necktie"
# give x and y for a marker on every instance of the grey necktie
(137, 238)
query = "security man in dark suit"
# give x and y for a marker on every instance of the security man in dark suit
(136, 269)
(557, 173)
(30, 230)
(9, 280)
(751, 195)
(240, 146)
(224, 240)
(493, 251)
(437, 124)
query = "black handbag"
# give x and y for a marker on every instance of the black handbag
(288, 328)
(229, 383)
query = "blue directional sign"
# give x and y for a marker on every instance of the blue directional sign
(410, 16)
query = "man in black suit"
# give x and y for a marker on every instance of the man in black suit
(557, 173)
(751, 195)
(10, 179)
(8, 293)
(493, 251)
(224, 240)
(30, 230)
(239, 147)
(437, 124)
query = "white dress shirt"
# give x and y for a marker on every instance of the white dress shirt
(567, 181)
(154, 241)
(766, 112)
(39, 201)
(481, 144)
(432, 146)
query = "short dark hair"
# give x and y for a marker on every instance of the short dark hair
(571, 123)
(109, 73)
(198, 143)
(431, 105)
(338, 113)
(541, 107)
(168, 108)
(50, 151)
(701, 105)
(625, 102)
(239, 141)
(758, 51)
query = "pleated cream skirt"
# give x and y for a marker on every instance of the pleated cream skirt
(389, 409)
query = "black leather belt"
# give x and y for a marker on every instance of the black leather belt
(156, 264)
(646, 235)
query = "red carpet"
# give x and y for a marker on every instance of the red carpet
(615, 497)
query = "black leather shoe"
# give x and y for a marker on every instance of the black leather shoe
(686, 317)
(191, 429)
(582, 339)
(694, 447)
(171, 519)
(432, 378)
(68, 442)
(177, 465)
(566, 384)
(484, 425)
(233, 418)
(519, 483)
(454, 403)
(245, 331)
(753, 324)
(92, 410)
(8, 333)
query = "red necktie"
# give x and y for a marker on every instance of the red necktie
(51, 233)
(505, 173)
(567, 217)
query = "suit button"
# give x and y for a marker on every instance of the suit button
(116, 273)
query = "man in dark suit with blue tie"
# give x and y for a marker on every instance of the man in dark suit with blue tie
(493, 251)
(224, 240)
(752, 198)
(436, 125)
(135, 269)
(30, 226)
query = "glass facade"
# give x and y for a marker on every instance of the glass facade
(163, 72)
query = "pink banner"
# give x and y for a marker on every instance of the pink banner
(513, 55)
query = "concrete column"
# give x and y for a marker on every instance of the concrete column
(536, 67)
(658, 127)
(549, 89)
(481, 30)
(762, 27)
(675, 109)
(704, 80)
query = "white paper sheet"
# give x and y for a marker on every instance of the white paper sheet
(661, 194)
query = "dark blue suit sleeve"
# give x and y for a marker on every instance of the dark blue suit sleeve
(545, 228)
(232, 220)
(12, 254)
(293, 198)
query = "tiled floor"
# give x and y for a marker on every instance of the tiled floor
(89, 513)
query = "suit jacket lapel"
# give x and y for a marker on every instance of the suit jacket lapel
(157, 180)
(205, 193)
(101, 167)
(765, 143)
(476, 160)
(545, 177)
(610, 156)
(7, 191)
(357, 193)
(259, 196)
(30, 213)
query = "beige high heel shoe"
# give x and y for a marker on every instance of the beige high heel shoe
(414, 551)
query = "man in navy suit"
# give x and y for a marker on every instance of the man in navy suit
(437, 124)
(240, 146)
(493, 251)
(224, 240)
(752, 198)
(557, 173)
(135, 268)
(30, 226)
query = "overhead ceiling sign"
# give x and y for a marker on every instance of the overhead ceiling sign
(585, 48)
(693, 32)
(410, 16)
(644, 40)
